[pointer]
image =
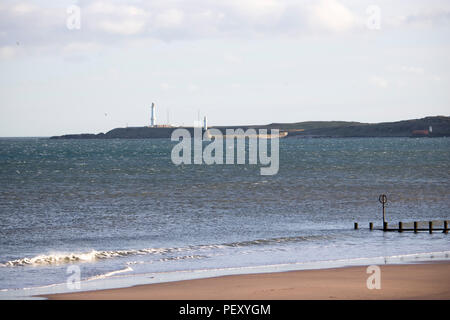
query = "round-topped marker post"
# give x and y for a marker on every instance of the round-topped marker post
(383, 199)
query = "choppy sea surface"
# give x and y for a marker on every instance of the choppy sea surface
(121, 213)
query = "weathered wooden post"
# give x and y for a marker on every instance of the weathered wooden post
(400, 226)
(385, 226)
(430, 226)
(415, 226)
(356, 225)
(445, 226)
(383, 199)
(370, 225)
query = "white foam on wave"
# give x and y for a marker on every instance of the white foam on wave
(110, 274)
(55, 258)
(195, 256)
(93, 255)
(165, 276)
(62, 258)
(324, 264)
(96, 277)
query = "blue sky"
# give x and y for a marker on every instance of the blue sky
(238, 62)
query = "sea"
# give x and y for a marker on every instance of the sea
(94, 214)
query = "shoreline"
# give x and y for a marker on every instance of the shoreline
(422, 280)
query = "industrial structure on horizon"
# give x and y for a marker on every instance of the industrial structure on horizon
(168, 125)
(153, 119)
(153, 115)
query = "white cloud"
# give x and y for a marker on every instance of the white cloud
(80, 48)
(331, 15)
(7, 52)
(436, 78)
(378, 81)
(192, 87)
(404, 69)
(109, 8)
(22, 8)
(115, 18)
(414, 70)
(169, 18)
(231, 58)
(429, 18)
(257, 9)
(165, 86)
(428, 14)
(107, 21)
(124, 27)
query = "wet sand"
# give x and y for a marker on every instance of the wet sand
(409, 281)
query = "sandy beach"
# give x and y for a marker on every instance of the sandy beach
(409, 281)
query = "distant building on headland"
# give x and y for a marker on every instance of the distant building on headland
(420, 133)
(163, 126)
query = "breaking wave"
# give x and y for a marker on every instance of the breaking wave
(62, 258)
(110, 274)
(92, 256)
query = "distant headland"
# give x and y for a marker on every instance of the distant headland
(437, 126)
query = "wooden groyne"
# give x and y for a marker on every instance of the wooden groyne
(414, 226)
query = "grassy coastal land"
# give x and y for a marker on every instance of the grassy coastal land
(315, 129)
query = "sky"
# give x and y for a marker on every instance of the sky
(91, 66)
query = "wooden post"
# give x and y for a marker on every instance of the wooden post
(383, 199)
(400, 226)
(385, 226)
(445, 226)
(430, 226)
(356, 225)
(415, 226)
(370, 225)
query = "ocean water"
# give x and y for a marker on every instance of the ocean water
(123, 213)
